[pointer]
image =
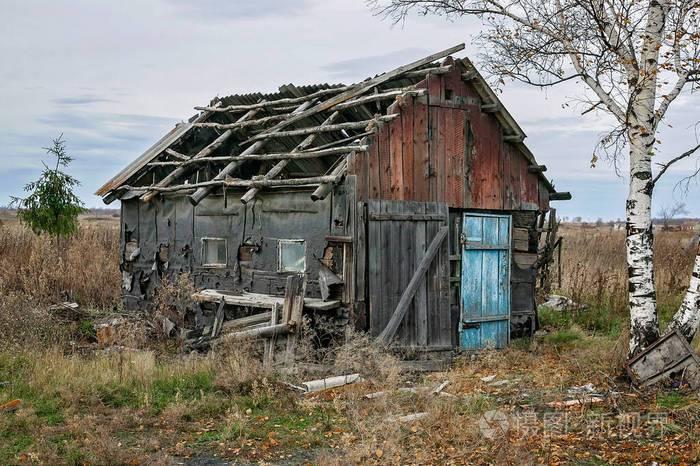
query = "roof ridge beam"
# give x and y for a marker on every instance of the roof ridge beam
(272, 103)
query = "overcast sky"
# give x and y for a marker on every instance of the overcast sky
(113, 77)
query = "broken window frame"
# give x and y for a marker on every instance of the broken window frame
(205, 241)
(280, 267)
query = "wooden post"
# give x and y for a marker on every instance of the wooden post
(293, 311)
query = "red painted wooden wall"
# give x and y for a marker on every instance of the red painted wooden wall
(442, 147)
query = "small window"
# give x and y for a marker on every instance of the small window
(449, 94)
(214, 252)
(292, 255)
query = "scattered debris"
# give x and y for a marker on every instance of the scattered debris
(488, 378)
(562, 303)
(586, 400)
(67, 312)
(668, 356)
(330, 382)
(107, 330)
(440, 387)
(412, 417)
(588, 389)
(10, 406)
(499, 383)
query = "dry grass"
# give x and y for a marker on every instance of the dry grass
(149, 407)
(594, 269)
(84, 268)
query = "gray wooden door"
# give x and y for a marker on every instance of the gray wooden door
(398, 234)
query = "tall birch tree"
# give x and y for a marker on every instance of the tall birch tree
(633, 59)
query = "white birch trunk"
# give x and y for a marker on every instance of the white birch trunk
(644, 323)
(687, 319)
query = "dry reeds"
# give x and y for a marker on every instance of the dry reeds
(83, 268)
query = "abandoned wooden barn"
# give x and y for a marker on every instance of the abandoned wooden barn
(407, 202)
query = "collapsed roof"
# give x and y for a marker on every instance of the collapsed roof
(300, 135)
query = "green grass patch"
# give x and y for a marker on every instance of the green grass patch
(116, 395)
(671, 400)
(564, 338)
(183, 388)
(476, 404)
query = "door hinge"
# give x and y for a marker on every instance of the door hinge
(470, 325)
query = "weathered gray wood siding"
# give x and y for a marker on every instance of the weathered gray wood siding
(174, 224)
(398, 234)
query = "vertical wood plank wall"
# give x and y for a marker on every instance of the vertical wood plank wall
(443, 148)
(396, 243)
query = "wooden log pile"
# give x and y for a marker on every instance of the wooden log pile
(282, 320)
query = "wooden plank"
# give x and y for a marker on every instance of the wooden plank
(441, 167)
(401, 309)
(375, 270)
(389, 278)
(420, 302)
(446, 324)
(375, 177)
(360, 250)
(385, 171)
(421, 154)
(458, 161)
(407, 216)
(407, 148)
(404, 270)
(396, 153)
(361, 89)
(269, 356)
(521, 239)
(293, 309)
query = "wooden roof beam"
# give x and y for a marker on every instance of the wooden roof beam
(325, 188)
(363, 87)
(354, 91)
(327, 128)
(273, 103)
(178, 172)
(237, 183)
(302, 155)
(434, 70)
(279, 166)
(203, 191)
(513, 138)
(391, 94)
(560, 196)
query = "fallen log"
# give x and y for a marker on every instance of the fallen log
(263, 332)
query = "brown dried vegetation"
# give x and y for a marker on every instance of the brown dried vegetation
(147, 406)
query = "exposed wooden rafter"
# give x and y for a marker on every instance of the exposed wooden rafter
(178, 172)
(277, 169)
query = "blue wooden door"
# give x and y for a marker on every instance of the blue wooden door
(485, 316)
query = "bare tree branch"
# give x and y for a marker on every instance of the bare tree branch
(667, 165)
